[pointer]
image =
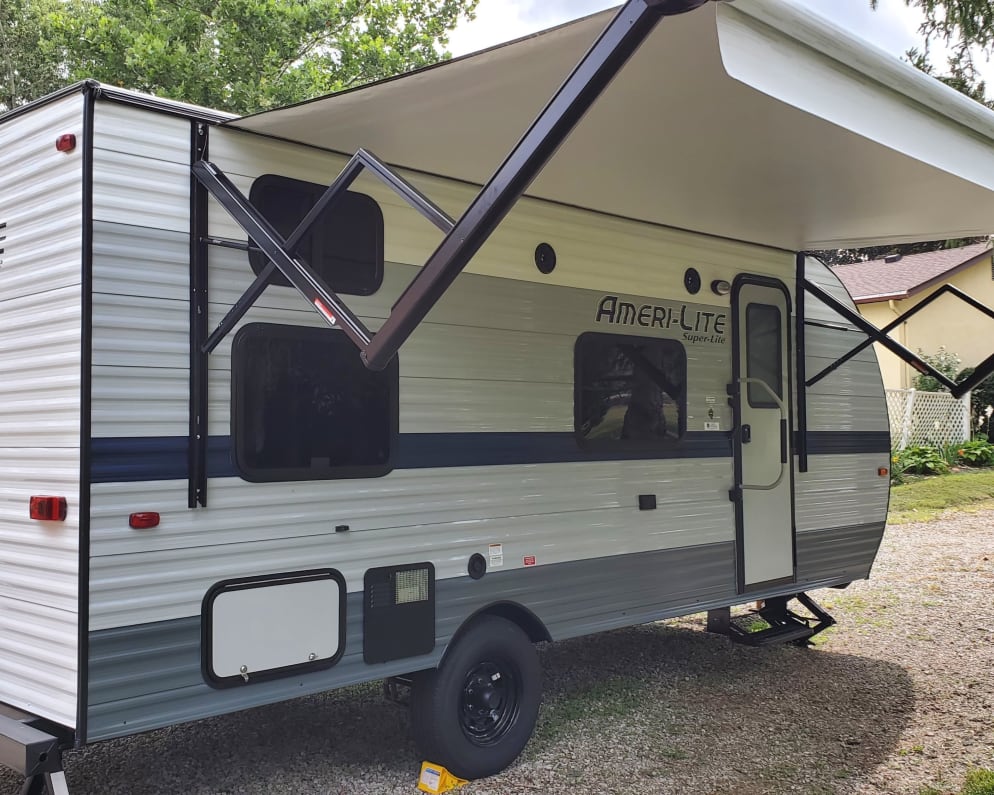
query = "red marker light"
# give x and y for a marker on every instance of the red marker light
(144, 520)
(48, 509)
(65, 143)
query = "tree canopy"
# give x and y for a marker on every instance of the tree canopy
(237, 55)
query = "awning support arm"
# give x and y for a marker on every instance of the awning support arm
(873, 334)
(619, 41)
(282, 254)
(464, 237)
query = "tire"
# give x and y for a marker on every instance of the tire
(476, 712)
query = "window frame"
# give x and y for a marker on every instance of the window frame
(314, 190)
(621, 445)
(239, 420)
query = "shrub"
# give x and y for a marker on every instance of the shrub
(919, 460)
(942, 360)
(979, 782)
(981, 397)
(977, 453)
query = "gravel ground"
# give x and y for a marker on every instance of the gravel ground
(898, 697)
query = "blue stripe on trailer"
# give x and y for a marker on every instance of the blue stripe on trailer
(132, 459)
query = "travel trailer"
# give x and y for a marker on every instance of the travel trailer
(290, 402)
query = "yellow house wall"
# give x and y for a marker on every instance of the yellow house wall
(947, 322)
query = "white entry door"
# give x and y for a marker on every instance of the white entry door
(763, 454)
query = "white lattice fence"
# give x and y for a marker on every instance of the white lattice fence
(927, 418)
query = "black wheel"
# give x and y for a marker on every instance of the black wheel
(475, 713)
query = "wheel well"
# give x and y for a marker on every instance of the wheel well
(530, 623)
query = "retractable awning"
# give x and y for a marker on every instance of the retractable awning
(754, 120)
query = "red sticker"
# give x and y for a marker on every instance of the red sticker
(529, 560)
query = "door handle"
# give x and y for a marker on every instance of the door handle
(747, 434)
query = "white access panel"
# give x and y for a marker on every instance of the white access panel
(265, 626)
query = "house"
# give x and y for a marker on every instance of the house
(885, 288)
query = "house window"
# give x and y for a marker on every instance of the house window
(303, 406)
(764, 346)
(345, 244)
(630, 392)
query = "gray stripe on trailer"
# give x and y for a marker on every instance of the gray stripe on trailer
(148, 676)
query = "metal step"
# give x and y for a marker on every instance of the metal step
(788, 632)
(782, 624)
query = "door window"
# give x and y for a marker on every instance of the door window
(764, 345)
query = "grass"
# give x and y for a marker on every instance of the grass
(921, 499)
(979, 782)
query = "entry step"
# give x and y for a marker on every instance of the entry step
(772, 622)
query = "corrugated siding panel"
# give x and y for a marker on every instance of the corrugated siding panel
(559, 512)
(40, 202)
(39, 368)
(841, 490)
(149, 675)
(141, 166)
(844, 553)
(472, 366)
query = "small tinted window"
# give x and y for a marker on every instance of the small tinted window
(304, 407)
(629, 391)
(764, 346)
(345, 244)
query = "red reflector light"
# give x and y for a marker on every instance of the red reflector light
(65, 143)
(883, 472)
(144, 520)
(48, 509)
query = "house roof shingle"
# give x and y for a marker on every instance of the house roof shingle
(880, 280)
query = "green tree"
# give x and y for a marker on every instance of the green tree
(27, 68)
(243, 55)
(962, 25)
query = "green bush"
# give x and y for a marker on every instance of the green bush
(919, 460)
(977, 453)
(942, 360)
(979, 782)
(981, 397)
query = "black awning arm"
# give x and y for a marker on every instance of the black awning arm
(624, 34)
(282, 253)
(463, 238)
(982, 371)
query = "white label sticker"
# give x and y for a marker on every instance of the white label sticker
(712, 426)
(496, 555)
(710, 399)
(431, 779)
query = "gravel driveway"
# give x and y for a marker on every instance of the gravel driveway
(899, 696)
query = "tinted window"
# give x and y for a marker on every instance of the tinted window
(304, 407)
(763, 353)
(345, 244)
(630, 391)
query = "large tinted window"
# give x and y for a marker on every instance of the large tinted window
(345, 244)
(764, 347)
(630, 391)
(304, 407)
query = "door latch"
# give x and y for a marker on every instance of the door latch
(746, 434)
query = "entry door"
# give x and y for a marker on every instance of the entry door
(763, 456)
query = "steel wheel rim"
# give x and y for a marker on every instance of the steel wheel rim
(489, 702)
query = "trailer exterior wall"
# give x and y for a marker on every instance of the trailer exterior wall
(40, 398)
(486, 455)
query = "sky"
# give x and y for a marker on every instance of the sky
(892, 27)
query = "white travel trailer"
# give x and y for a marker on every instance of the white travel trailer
(621, 396)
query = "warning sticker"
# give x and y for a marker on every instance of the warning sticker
(712, 426)
(528, 560)
(496, 555)
(710, 399)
